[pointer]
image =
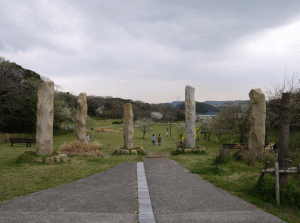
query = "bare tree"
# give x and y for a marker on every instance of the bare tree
(235, 119)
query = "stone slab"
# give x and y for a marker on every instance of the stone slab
(177, 195)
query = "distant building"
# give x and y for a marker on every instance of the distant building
(202, 118)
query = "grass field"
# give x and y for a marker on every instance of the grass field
(234, 176)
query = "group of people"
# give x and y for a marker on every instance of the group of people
(158, 140)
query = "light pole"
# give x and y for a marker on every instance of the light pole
(170, 119)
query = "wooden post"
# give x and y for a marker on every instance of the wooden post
(263, 173)
(283, 152)
(277, 183)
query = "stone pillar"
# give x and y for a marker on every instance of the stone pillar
(81, 115)
(257, 119)
(190, 116)
(45, 118)
(128, 131)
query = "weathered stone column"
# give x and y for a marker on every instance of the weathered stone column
(81, 115)
(45, 118)
(190, 115)
(128, 131)
(257, 119)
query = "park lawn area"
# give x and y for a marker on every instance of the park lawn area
(234, 176)
(20, 179)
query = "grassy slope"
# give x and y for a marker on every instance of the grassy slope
(235, 177)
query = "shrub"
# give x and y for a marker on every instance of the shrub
(117, 122)
(77, 148)
(265, 156)
(223, 157)
(27, 157)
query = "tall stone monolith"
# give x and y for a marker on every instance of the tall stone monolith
(45, 118)
(257, 119)
(81, 115)
(128, 131)
(190, 116)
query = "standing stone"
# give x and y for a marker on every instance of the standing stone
(81, 115)
(190, 116)
(257, 119)
(45, 118)
(128, 131)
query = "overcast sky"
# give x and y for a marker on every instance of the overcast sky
(150, 50)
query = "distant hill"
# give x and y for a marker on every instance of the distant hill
(201, 108)
(172, 104)
(224, 104)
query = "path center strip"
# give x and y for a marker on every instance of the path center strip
(145, 207)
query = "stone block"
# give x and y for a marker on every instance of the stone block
(257, 119)
(188, 150)
(125, 151)
(128, 131)
(190, 116)
(134, 152)
(45, 118)
(64, 157)
(49, 160)
(39, 160)
(57, 158)
(80, 120)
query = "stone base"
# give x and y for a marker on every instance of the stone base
(135, 151)
(61, 158)
(182, 149)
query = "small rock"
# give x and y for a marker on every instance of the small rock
(39, 160)
(203, 149)
(134, 152)
(126, 151)
(64, 157)
(49, 160)
(188, 150)
(179, 149)
(57, 158)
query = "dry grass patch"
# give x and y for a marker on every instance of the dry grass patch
(102, 129)
(77, 148)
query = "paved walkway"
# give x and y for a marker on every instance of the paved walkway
(175, 195)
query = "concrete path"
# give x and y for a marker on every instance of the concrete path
(171, 191)
(109, 196)
(179, 196)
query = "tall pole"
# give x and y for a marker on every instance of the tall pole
(170, 126)
(283, 150)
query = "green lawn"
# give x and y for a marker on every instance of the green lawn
(233, 176)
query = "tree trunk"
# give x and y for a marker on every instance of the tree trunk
(283, 148)
(208, 135)
(241, 138)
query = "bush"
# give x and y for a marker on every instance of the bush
(265, 190)
(116, 122)
(27, 157)
(268, 156)
(223, 157)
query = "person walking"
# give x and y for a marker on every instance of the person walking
(153, 139)
(159, 140)
(167, 134)
(87, 138)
